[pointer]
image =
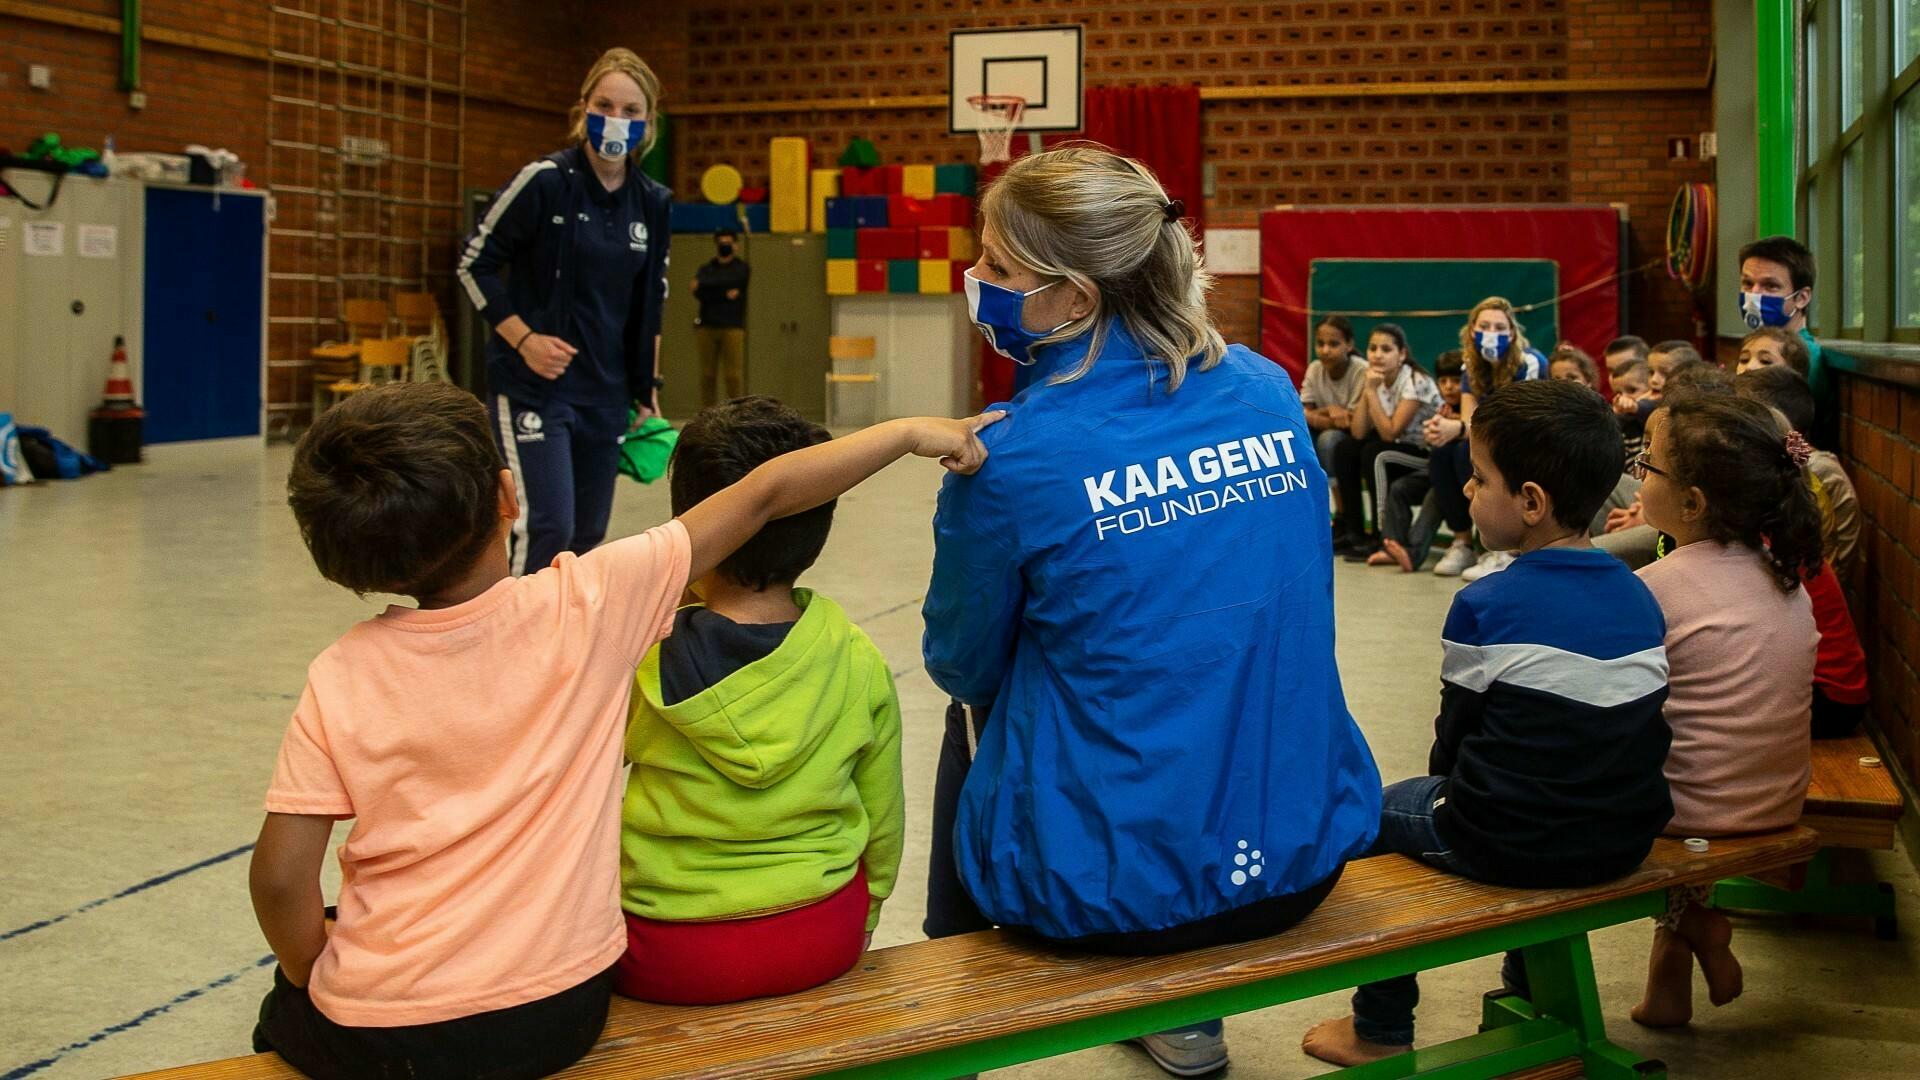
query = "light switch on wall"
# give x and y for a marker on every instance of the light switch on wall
(40, 77)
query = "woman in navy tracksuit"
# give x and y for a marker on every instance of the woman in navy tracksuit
(1136, 596)
(583, 234)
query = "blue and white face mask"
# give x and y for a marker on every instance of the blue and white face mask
(1492, 346)
(998, 312)
(1763, 309)
(612, 137)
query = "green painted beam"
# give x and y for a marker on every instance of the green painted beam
(1818, 895)
(1776, 168)
(1559, 939)
(129, 44)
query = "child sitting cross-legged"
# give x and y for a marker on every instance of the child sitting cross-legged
(1412, 515)
(474, 739)
(763, 817)
(1547, 756)
(1724, 477)
(1394, 405)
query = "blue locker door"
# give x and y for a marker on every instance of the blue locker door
(201, 376)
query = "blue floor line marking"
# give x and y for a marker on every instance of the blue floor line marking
(106, 1033)
(124, 893)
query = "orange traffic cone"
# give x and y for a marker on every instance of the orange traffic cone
(119, 396)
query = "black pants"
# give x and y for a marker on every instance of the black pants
(1833, 719)
(538, 1038)
(951, 911)
(1353, 462)
(1449, 468)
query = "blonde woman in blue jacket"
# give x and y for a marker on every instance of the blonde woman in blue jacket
(1134, 602)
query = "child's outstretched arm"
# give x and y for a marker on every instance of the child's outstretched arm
(805, 478)
(285, 881)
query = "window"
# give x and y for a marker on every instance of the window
(1853, 299)
(1906, 198)
(1860, 185)
(1852, 63)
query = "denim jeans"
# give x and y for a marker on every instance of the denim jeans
(1383, 1011)
(950, 910)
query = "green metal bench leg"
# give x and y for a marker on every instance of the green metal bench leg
(1560, 974)
(1820, 895)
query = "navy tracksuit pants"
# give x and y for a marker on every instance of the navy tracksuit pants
(564, 459)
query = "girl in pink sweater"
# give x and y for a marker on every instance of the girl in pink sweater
(1723, 476)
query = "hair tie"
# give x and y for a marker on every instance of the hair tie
(1174, 210)
(1798, 449)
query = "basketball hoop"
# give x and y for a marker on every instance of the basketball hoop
(999, 118)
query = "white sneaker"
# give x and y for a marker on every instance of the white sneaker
(1457, 559)
(1185, 1053)
(1491, 563)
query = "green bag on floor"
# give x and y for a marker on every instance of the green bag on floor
(644, 453)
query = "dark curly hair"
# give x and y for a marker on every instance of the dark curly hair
(1734, 450)
(719, 447)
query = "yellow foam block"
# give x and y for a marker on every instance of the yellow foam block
(917, 181)
(961, 245)
(936, 276)
(843, 277)
(787, 184)
(826, 185)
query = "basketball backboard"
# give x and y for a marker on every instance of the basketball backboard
(1042, 64)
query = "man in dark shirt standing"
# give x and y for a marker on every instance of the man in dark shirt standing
(721, 288)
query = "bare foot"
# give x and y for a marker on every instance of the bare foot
(1380, 558)
(1336, 1041)
(1669, 999)
(1397, 551)
(1710, 935)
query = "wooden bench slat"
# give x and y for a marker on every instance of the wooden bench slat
(1843, 788)
(927, 995)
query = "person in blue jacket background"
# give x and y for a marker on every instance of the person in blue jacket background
(583, 234)
(1132, 605)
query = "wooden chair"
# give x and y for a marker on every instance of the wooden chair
(846, 356)
(982, 1001)
(338, 361)
(382, 360)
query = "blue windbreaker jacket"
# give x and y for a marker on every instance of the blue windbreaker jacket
(1141, 583)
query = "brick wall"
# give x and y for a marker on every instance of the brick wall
(1879, 443)
(1419, 149)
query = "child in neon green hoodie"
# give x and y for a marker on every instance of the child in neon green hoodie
(762, 823)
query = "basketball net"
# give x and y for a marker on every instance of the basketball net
(999, 118)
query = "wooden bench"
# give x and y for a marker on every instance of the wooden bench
(1851, 806)
(983, 1001)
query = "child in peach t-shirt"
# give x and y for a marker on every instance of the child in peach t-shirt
(1725, 478)
(476, 740)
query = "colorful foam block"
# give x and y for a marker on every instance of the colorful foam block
(858, 181)
(952, 210)
(703, 217)
(843, 244)
(962, 245)
(871, 275)
(870, 212)
(890, 179)
(825, 185)
(758, 218)
(959, 272)
(888, 243)
(787, 162)
(955, 179)
(936, 276)
(917, 181)
(935, 241)
(908, 211)
(903, 276)
(843, 277)
(842, 213)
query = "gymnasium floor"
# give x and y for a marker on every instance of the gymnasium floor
(159, 620)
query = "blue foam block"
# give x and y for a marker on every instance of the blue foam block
(759, 217)
(840, 213)
(704, 217)
(869, 211)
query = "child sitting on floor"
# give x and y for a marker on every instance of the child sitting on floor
(1773, 346)
(475, 740)
(1570, 363)
(1329, 393)
(1723, 477)
(1630, 387)
(1392, 410)
(1546, 761)
(1406, 536)
(763, 818)
(1840, 688)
